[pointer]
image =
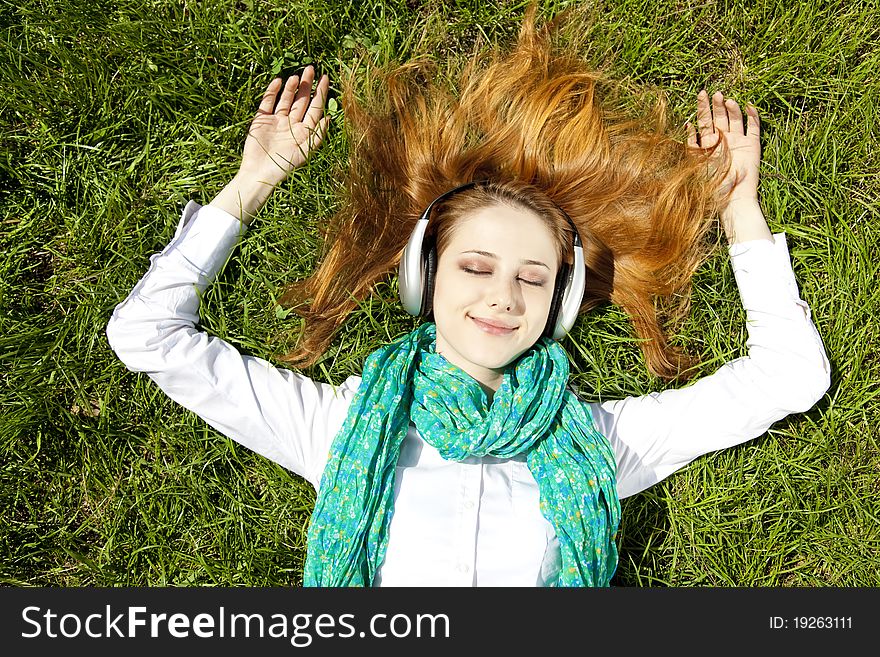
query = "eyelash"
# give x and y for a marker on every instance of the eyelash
(479, 273)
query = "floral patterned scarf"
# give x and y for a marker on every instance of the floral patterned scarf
(532, 412)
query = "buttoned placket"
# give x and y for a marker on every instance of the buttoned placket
(467, 512)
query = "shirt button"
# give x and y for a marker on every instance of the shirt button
(468, 504)
(463, 568)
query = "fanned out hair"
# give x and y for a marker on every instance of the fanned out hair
(536, 119)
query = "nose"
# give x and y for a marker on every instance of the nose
(502, 295)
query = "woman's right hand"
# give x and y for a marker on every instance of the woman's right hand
(279, 141)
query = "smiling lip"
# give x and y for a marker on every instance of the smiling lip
(494, 328)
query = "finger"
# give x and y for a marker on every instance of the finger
(704, 116)
(268, 100)
(692, 135)
(316, 107)
(283, 105)
(719, 112)
(303, 94)
(734, 116)
(754, 127)
(317, 136)
(313, 139)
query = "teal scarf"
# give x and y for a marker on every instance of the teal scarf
(532, 412)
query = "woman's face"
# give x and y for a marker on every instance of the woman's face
(493, 288)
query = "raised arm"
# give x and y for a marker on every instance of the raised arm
(278, 413)
(786, 370)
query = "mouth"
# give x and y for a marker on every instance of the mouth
(491, 327)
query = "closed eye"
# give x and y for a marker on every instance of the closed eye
(534, 283)
(480, 272)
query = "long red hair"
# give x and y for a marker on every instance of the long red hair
(534, 115)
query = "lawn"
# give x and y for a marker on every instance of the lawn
(115, 113)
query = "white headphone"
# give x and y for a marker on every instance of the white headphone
(418, 267)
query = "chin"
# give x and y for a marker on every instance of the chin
(494, 361)
(476, 348)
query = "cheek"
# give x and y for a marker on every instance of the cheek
(443, 304)
(451, 289)
(539, 301)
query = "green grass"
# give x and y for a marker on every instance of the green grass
(114, 114)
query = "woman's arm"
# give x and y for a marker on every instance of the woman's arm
(279, 414)
(786, 370)
(282, 415)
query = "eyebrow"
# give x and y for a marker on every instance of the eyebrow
(492, 255)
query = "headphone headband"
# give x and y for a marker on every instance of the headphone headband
(418, 266)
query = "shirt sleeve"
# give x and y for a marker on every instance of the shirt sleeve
(786, 371)
(278, 413)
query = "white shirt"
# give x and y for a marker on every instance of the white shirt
(476, 522)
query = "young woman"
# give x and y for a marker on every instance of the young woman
(461, 456)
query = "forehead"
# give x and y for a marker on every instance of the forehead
(504, 230)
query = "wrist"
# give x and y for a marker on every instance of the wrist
(741, 205)
(243, 196)
(743, 221)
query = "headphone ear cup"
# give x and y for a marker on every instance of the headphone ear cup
(430, 272)
(556, 301)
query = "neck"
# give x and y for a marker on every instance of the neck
(488, 379)
(490, 388)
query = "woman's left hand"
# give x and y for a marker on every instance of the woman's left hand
(723, 117)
